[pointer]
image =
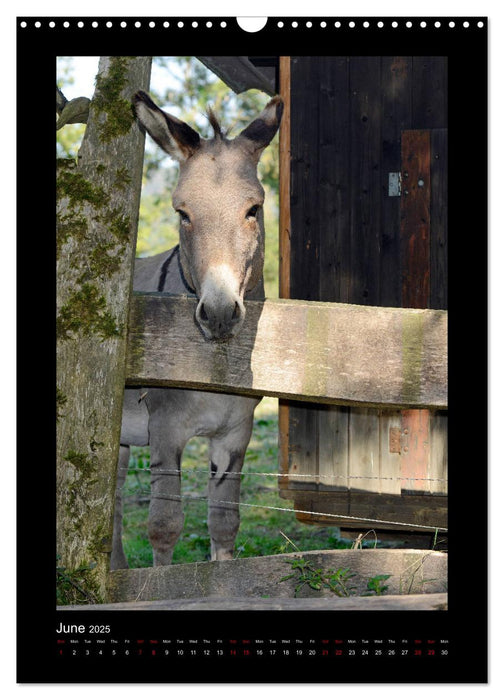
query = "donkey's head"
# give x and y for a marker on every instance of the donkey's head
(219, 200)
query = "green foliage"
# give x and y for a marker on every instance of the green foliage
(69, 139)
(157, 225)
(336, 581)
(375, 586)
(318, 579)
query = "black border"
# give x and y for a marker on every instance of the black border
(466, 50)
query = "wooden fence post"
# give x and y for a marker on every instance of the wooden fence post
(97, 216)
(284, 241)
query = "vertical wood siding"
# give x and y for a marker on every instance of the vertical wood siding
(353, 121)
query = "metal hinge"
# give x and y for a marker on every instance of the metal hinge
(398, 440)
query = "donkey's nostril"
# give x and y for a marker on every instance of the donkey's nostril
(203, 314)
(220, 319)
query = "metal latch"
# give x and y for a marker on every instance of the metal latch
(395, 441)
(394, 184)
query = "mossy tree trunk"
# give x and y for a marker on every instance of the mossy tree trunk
(97, 217)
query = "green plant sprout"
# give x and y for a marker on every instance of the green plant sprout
(317, 579)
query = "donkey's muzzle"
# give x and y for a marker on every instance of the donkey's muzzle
(220, 319)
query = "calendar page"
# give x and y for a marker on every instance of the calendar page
(245, 315)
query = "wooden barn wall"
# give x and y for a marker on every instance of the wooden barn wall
(351, 119)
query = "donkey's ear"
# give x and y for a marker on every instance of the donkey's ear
(259, 133)
(174, 136)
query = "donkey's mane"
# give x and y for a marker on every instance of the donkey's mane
(214, 123)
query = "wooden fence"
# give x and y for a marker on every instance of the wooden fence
(387, 360)
(304, 351)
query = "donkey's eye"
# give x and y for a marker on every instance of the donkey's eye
(252, 212)
(183, 216)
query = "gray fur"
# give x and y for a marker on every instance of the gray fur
(220, 257)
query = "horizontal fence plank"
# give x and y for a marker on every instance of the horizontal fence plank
(308, 351)
(373, 511)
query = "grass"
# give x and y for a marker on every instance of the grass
(262, 531)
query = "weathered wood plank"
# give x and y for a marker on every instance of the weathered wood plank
(364, 460)
(284, 177)
(438, 471)
(312, 351)
(284, 223)
(390, 452)
(304, 446)
(371, 511)
(365, 192)
(429, 95)
(415, 219)
(439, 220)
(305, 219)
(331, 199)
(415, 456)
(411, 572)
(420, 601)
(396, 117)
(333, 447)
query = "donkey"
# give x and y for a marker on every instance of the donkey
(219, 259)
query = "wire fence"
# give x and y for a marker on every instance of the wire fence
(145, 494)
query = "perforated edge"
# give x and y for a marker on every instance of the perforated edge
(217, 24)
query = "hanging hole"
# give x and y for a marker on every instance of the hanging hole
(252, 24)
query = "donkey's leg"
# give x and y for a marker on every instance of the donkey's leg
(118, 559)
(226, 460)
(166, 518)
